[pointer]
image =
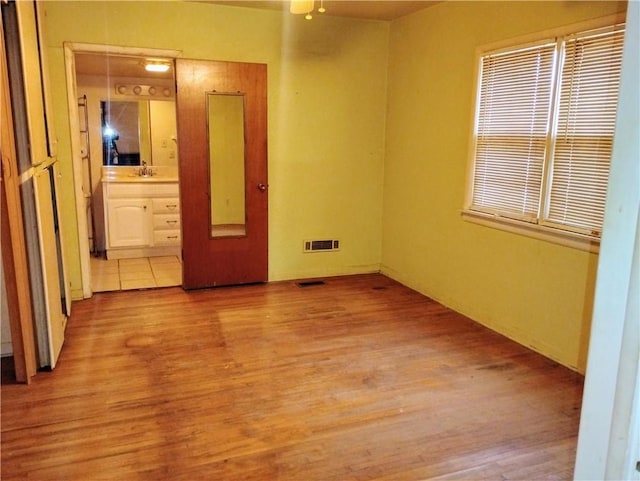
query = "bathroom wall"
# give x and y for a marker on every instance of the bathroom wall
(164, 133)
(536, 292)
(327, 83)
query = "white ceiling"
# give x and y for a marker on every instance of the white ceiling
(363, 9)
(122, 66)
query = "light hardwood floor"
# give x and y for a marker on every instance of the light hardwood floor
(356, 379)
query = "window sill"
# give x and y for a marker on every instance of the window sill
(536, 231)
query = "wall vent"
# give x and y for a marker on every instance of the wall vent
(322, 245)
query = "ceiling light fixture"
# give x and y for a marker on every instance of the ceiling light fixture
(158, 67)
(301, 6)
(305, 7)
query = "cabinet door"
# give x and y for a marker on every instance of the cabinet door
(129, 222)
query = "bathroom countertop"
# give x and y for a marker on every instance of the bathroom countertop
(130, 174)
(138, 178)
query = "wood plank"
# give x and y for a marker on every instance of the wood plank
(356, 378)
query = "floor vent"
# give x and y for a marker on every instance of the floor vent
(310, 283)
(321, 245)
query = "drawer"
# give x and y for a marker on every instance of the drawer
(166, 238)
(166, 221)
(166, 205)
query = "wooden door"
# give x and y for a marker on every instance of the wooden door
(12, 233)
(217, 248)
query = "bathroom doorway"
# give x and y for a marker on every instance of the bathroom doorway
(96, 76)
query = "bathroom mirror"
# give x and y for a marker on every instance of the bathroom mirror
(226, 132)
(138, 130)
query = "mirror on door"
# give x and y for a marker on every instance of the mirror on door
(226, 130)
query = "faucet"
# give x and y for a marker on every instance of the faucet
(145, 171)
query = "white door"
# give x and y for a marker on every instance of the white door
(56, 320)
(64, 284)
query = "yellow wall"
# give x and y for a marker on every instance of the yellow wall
(338, 136)
(538, 293)
(327, 98)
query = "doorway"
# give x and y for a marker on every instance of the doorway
(219, 246)
(98, 77)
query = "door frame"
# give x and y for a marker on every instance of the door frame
(70, 49)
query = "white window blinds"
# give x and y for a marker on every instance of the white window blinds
(511, 132)
(544, 128)
(588, 97)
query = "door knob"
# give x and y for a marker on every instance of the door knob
(262, 187)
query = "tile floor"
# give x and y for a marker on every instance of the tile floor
(143, 273)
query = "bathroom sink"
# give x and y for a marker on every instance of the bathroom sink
(132, 174)
(140, 178)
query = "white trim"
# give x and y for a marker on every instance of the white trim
(70, 49)
(607, 441)
(76, 47)
(81, 218)
(537, 231)
(48, 356)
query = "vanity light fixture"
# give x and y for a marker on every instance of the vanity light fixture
(158, 67)
(158, 91)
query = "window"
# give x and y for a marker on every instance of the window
(543, 132)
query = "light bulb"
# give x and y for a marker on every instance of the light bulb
(157, 67)
(301, 6)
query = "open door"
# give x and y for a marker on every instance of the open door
(222, 136)
(53, 325)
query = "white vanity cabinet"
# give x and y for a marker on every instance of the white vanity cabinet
(142, 218)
